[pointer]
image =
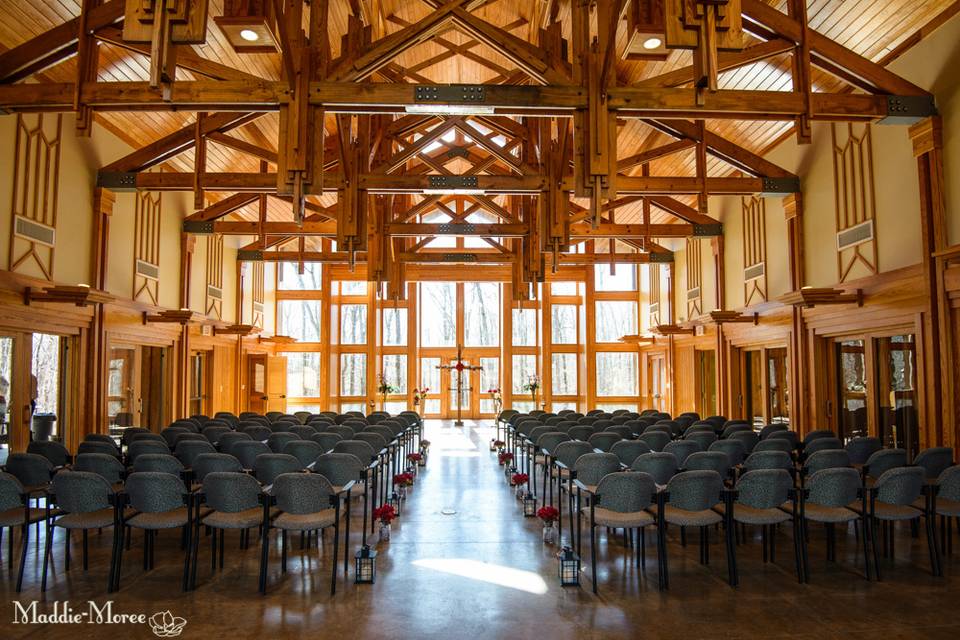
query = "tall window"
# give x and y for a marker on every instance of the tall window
(353, 374)
(299, 319)
(394, 327)
(563, 329)
(617, 374)
(481, 311)
(524, 327)
(438, 314)
(564, 374)
(395, 372)
(615, 319)
(353, 324)
(303, 375)
(288, 279)
(624, 279)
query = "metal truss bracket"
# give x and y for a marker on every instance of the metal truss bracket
(453, 182)
(707, 230)
(117, 180)
(198, 227)
(773, 187)
(449, 93)
(661, 257)
(456, 228)
(908, 109)
(458, 257)
(249, 255)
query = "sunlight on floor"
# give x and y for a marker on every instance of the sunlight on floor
(485, 572)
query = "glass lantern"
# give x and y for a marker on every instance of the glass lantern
(529, 505)
(569, 568)
(395, 501)
(366, 566)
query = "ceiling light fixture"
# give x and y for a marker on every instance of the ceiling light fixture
(252, 36)
(652, 43)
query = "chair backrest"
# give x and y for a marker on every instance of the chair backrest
(818, 433)
(303, 431)
(730, 429)
(748, 439)
(53, 451)
(700, 427)
(587, 420)
(327, 441)
(302, 416)
(551, 439)
(860, 449)
(259, 433)
(305, 451)
(764, 488)
(934, 461)
(279, 439)
(376, 441)
(339, 468)
(187, 436)
(12, 493)
(826, 459)
(81, 492)
(774, 444)
(603, 441)
(569, 452)
(96, 446)
(159, 462)
(188, 450)
(31, 469)
(732, 448)
(362, 450)
(246, 451)
(343, 431)
(130, 432)
(186, 423)
(716, 421)
(268, 466)
(790, 436)
(273, 415)
(656, 440)
(104, 465)
(834, 487)
(884, 460)
(506, 415)
(768, 460)
(153, 492)
(629, 450)
(227, 440)
(200, 419)
(659, 464)
(581, 432)
(694, 490)
(948, 484)
(303, 493)
(625, 491)
(708, 461)
(703, 439)
(900, 485)
(622, 432)
(591, 467)
(771, 428)
(231, 491)
(207, 463)
(214, 433)
(619, 419)
(682, 449)
(821, 444)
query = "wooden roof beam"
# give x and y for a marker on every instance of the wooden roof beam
(726, 61)
(223, 207)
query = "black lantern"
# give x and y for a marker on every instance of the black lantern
(366, 568)
(569, 568)
(395, 501)
(529, 505)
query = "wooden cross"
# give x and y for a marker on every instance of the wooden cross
(459, 367)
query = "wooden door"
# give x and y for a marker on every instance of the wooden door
(257, 383)
(276, 369)
(656, 376)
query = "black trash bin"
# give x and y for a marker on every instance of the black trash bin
(43, 426)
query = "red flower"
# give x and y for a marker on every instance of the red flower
(414, 457)
(548, 514)
(403, 479)
(385, 513)
(505, 456)
(459, 366)
(519, 479)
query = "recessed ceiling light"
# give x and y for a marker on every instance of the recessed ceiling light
(652, 43)
(252, 36)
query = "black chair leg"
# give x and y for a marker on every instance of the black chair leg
(264, 557)
(23, 552)
(85, 549)
(213, 549)
(47, 550)
(872, 523)
(593, 556)
(932, 545)
(283, 551)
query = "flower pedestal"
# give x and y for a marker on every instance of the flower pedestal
(551, 535)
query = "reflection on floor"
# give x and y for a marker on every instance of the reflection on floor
(482, 572)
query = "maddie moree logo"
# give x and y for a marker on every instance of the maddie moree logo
(163, 623)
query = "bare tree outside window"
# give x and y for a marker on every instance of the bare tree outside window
(299, 319)
(438, 314)
(395, 372)
(303, 375)
(481, 314)
(353, 374)
(289, 280)
(395, 327)
(46, 368)
(616, 374)
(524, 327)
(353, 324)
(615, 319)
(564, 370)
(563, 328)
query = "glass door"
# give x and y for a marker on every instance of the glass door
(706, 382)
(460, 386)
(656, 372)
(852, 381)
(122, 410)
(897, 392)
(6, 390)
(755, 408)
(198, 382)
(778, 391)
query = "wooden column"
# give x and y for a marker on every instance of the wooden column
(938, 410)
(799, 349)
(182, 402)
(716, 245)
(238, 354)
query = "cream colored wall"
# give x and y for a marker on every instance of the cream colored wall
(230, 281)
(198, 275)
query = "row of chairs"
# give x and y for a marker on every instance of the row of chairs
(31, 477)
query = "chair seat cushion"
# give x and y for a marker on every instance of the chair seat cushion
(752, 515)
(885, 511)
(355, 490)
(92, 520)
(237, 520)
(686, 518)
(14, 517)
(165, 520)
(948, 507)
(616, 519)
(307, 521)
(821, 513)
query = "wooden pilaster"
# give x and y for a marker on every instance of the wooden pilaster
(799, 349)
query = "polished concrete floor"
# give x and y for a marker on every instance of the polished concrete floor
(464, 563)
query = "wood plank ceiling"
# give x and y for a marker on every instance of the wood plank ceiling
(868, 27)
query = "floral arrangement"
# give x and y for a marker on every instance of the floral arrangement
(519, 479)
(419, 395)
(504, 457)
(385, 513)
(424, 445)
(532, 386)
(497, 397)
(548, 514)
(499, 444)
(403, 479)
(414, 457)
(384, 388)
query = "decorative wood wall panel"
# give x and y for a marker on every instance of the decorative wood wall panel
(214, 293)
(36, 177)
(754, 250)
(853, 186)
(146, 261)
(654, 275)
(258, 295)
(694, 279)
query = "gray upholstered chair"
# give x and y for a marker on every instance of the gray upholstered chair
(827, 498)
(881, 462)
(760, 499)
(629, 450)
(945, 502)
(774, 444)
(702, 438)
(708, 461)
(690, 500)
(259, 433)
(860, 449)
(771, 428)
(102, 437)
(816, 435)
(247, 451)
(138, 448)
(232, 500)
(580, 432)
(656, 440)
(279, 439)
(661, 465)
(603, 441)
(621, 501)
(682, 449)
(207, 463)
(158, 501)
(303, 431)
(344, 432)
(187, 451)
(268, 466)
(214, 433)
(160, 463)
(104, 465)
(52, 450)
(823, 443)
(84, 501)
(791, 436)
(304, 502)
(748, 439)
(934, 461)
(624, 432)
(768, 460)
(826, 459)
(98, 446)
(733, 428)
(305, 451)
(226, 441)
(732, 448)
(327, 441)
(170, 435)
(15, 512)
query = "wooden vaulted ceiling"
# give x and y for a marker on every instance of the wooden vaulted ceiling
(870, 28)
